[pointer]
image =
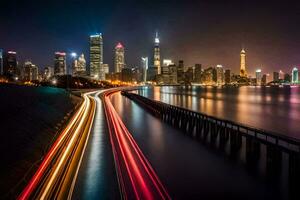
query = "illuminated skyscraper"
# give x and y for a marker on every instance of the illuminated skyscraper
(180, 72)
(258, 76)
(156, 59)
(79, 66)
(144, 68)
(10, 64)
(220, 74)
(295, 75)
(198, 72)
(243, 72)
(119, 58)
(60, 66)
(96, 57)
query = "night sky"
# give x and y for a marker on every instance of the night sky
(206, 32)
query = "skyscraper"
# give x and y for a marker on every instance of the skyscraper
(295, 75)
(96, 57)
(119, 58)
(145, 68)
(60, 66)
(180, 72)
(220, 74)
(10, 64)
(79, 66)
(198, 71)
(275, 76)
(157, 64)
(30, 71)
(243, 72)
(258, 76)
(227, 76)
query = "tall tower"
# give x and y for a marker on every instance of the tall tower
(243, 72)
(96, 57)
(60, 66)
(156, 59)
(119, 58)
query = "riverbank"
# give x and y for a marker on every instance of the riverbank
(31, 120)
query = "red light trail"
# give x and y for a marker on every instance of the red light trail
(137, 178)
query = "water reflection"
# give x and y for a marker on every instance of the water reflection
(273, 109)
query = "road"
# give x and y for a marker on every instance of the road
(56, 175)
(109, 165)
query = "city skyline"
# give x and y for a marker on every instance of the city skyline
(180, 38)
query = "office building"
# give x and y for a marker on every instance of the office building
(96, 57)
(48, 73)
(156, 58)
(119, 58)
(227, 76)
(145, 68)
(79, 66)
(258, 76)
(295, 75)
(275, 76)
(180, 72)
(10, 64)
(30, 71)
(60, 65)
(198, 72)
(220, 74)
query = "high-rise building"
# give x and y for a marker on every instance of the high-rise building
(198, 71)
(145, 68)
(165, 71)
(119, 58)
(275, 76)
(157, 64)
(1, 62)
(30, 71)
(60, 65)
(79, 66)
(96, 57)
(243, 72)
(105, 68)
(48, 72)
(258, 76)
(264, 79)
(10, 64)
(180, 72)
(220, 75)
(295, 75)
(227, 76)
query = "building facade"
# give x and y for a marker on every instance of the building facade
(119, 61)
(198, 72)
(145, 68)
(96, 57)
(60, 65)
(295, 75)
(79, 66)
(156, 58)
(243, 72)
(258, 76)
(30, 71)
(220, 74)
(10, 64)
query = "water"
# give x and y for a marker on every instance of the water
(188, 168)
(270, 108)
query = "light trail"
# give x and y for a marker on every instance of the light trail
(57, 173)
(137, 178)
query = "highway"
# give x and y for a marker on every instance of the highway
(56, 176)
(111, 165)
